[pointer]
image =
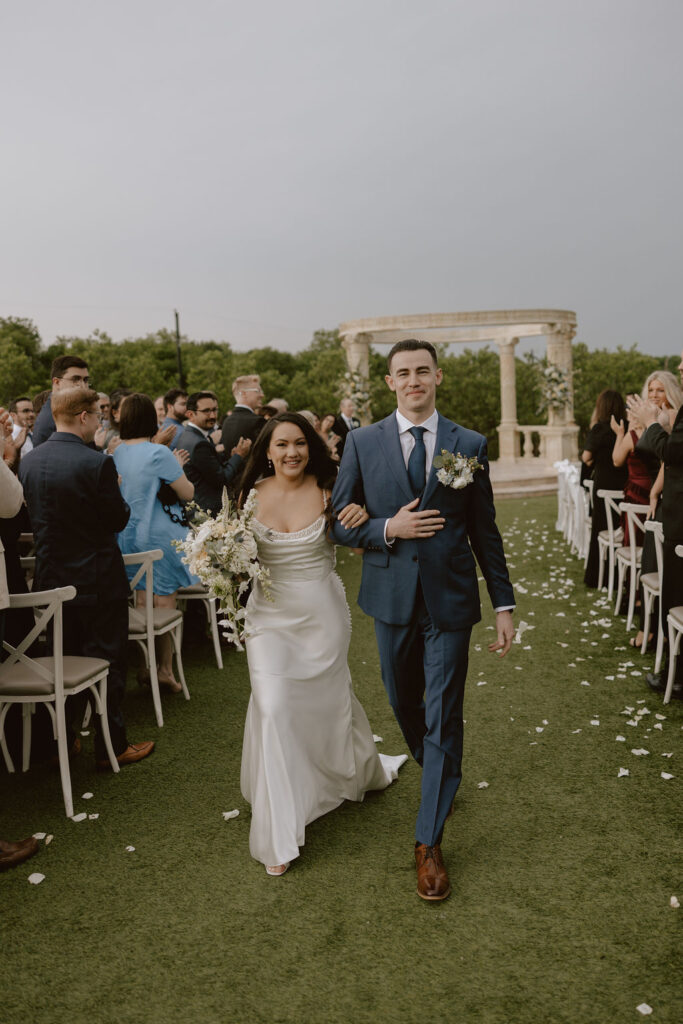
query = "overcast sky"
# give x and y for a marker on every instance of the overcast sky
(269, 168)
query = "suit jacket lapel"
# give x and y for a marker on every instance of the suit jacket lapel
(445, 438)
(393, 453)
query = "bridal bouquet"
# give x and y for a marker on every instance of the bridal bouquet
(222, 552)
(455, 470)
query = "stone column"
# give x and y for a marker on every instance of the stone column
(357, 348)
(508, 431)
(562, 432)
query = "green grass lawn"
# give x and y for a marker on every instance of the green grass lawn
(562, 872)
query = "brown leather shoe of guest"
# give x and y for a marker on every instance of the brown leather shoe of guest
(432, 877)
(133, 752)
(12, 854)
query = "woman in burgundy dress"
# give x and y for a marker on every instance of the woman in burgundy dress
(642, 469)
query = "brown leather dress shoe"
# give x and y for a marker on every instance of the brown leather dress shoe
(432, 877)
(133, 752)
(12, 854)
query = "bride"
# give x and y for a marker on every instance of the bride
(308, 745)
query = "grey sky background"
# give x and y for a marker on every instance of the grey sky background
(270, 168)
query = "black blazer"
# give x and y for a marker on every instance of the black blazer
(76, 510)
(242, 423)
(206, 470)
(669, 448)
(45, 423)
(341, 430)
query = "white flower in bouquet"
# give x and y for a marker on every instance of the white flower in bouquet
(455, 470)
(222, 552)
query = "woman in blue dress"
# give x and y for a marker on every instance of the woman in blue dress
(143, 466)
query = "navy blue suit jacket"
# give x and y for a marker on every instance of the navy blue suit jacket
(45, 423)
(76, 510)
(373, 473)
(206, 470)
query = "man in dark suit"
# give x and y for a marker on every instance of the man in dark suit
(419, 578)
(346, 421)
(67, 372)
(76, 510)
(244, 421)
(206, 468)
(668, 447)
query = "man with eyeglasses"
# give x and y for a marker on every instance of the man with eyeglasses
(244, 421)
(208, 469)
(67, 372)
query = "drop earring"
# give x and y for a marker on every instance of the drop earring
(270, 465)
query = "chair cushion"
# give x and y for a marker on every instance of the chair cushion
(651, 580)
(625, 554)
(162, 618)
(677, 615)
(22, 680)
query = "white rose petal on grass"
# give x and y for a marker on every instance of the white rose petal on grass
(660, 718)
(482, 785)
(595, 721)
(640, 751)
(673, 902)
(622, 773)
(584, 682)
(644, 1009)
(574, 731)
(227, 815)
(668, 755)
(539, 728)
(87, 796)
(93, 817)
(48, 840)
(39, 835)
(377, 739)
(667, 775)
(36, 878)
(130, 849)
(632, 721)
(85, 732)
(79, 817)
(482, 682)
(620, 739)
(658, 725)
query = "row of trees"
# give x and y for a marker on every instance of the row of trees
(310, 379)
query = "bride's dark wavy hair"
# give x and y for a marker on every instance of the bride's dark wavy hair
(319, 465)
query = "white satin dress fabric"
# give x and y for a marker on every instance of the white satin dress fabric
(308, 744)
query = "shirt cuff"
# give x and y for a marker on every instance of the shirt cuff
(505, 608)
(389, 543)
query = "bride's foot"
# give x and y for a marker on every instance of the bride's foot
(279, 869)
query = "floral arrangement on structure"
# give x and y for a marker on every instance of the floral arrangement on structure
(222, 552)
(354, 386)
(555, 384)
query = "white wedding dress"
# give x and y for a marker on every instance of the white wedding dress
(308, 745)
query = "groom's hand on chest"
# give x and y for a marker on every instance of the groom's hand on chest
(409, 524)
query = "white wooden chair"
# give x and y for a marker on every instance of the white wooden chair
(38, 680)
(146, 623)
(588, 517)
(628, 558)
(651, 582)
(610, 539)
(675, 623)
(198, 592)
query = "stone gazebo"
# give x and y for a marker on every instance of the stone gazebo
(517, 471)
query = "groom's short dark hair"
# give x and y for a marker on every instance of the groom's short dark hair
(412, 345)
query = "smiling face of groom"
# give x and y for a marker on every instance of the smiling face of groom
(414, 377)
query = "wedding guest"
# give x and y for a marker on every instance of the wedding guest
(345, 421)
(597, 454)
(641, 468)
(266, 411)
(160, 409)
(66, 372)
(328, 435)
(662, 388)
(105, 406)
(143, 468)
(23, 417)
(244, 420)
(667, 445)
(209, 470)
(76, 510)
(175, 403)
(281, 404)
(111, 435)
(39, 400)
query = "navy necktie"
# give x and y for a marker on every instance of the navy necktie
(417, 462)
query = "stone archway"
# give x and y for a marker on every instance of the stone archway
(558, 439)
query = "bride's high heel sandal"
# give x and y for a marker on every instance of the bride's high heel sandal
(279, 869)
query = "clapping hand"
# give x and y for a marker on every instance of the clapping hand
(645, 412)
(242, 447)
(352, 516)
(164, 436)
(181, 455)
(506, 633)
(617, 426)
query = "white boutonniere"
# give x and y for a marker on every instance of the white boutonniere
(455, 470)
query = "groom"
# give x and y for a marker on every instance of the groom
(419, 579)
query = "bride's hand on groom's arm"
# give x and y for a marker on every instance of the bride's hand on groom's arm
(352, 516)
(506, 633)
(410, 525)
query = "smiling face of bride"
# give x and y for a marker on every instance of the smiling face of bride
(288, 451)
